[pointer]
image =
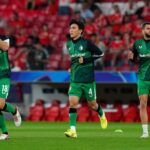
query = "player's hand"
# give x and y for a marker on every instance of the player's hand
(130, 55)
(69, 70)
(81, 60)
(4, 45)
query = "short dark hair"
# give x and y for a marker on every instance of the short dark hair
(144, 24)
(77, 22)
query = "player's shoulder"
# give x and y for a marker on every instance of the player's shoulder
(139, 41)
(85, 40)
(68, 41)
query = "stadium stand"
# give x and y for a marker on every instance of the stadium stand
(42, 21)
(55, 111)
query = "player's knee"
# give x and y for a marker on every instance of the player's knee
(93, 106)
(73, 103)
(2, 103)
(143, 105)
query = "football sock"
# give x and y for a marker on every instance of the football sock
(2, 124)
(72, 118)
(9, 108)
(145, 128)
(73, 128)
(100, 111)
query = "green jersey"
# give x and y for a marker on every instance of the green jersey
(4, 63)
(82, 73)
(141, 49)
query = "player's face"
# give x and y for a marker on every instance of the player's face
(146, 31)
(74, 31)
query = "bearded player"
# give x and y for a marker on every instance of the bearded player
(141, 51)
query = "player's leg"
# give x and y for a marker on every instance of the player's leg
(143, 114)
(74, 96)
(3, 127)
(90, 94)
(143, 97)
(5, 106)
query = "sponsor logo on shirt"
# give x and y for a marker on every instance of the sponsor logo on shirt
(140, 46)
(81, 48)
(78, 55)
(144, 55)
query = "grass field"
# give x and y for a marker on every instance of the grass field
(49, 136)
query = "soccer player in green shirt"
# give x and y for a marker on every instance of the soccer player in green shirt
(141, 52)
(4, 89)
(82, 53)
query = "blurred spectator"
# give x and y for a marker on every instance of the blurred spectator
(30, 4)
(10, 32)
(52, 9)
(144, 10)
(116, 17)
(89, 28)
(85, 11)
(127, 41)
(76, 15)
(116, 47)
(96, 40)
(21, 36)
(99, 19)
(136, 29)
(44, 35)
(3, 23)
(37, 57)
(126, 26)
(93, 5)
(41, 4)
(132, 7)
(64, 7)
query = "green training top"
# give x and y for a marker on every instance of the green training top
(141, 49)
(4, 62)
(82, 73)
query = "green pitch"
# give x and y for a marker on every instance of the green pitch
(49, 136)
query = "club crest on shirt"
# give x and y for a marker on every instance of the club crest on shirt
(81, 48)
(140, 46)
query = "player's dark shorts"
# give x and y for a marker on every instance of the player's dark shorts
(86, 89)
(4, 87)
(143, 87)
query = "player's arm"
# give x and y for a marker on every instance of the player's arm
(95, 51)
(4, 45)
(133, 54)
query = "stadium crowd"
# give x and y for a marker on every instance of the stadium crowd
(38, 28)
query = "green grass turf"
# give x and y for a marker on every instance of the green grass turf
(50, 136)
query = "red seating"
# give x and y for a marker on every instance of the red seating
(64, 114)
(53, 62)
(131, 113)
(52, 112)
(94, 116)
(148, 112)
(21, 61)
(65, 64)
(83, 113)
(115, 113)
(36, 112)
